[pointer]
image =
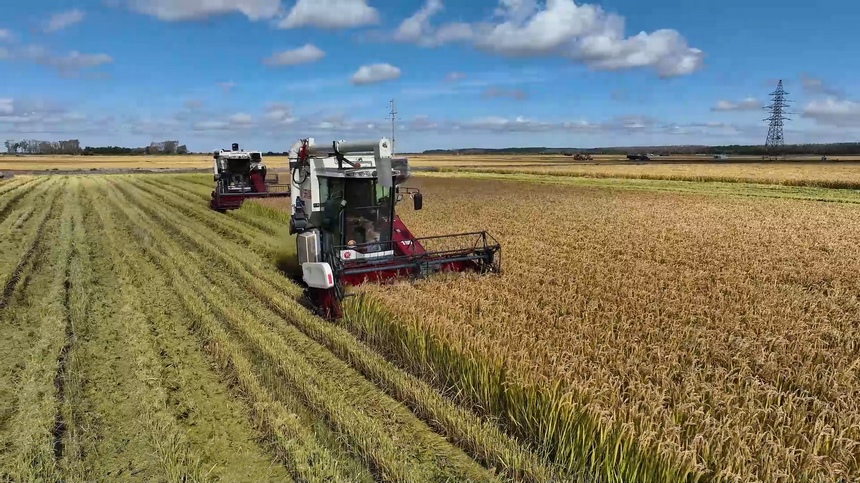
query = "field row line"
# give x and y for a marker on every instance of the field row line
(298, 448)
(32, 240)
(35, 434)
(364, 430)
(496, 448)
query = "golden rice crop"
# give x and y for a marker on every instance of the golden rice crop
(147, 336)
(718, 331)
(845, 175)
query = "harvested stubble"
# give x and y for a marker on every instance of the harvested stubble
(165, 349)
(717, 331)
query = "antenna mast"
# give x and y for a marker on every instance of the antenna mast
(777, 108)
(393, 116)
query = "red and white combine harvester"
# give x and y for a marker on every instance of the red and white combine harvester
(347, 231)
(241, 175)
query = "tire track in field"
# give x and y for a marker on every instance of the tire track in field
(316, 362)
(15, 277)
(37, 332)
(301, 448)
(62, 375)
(196, 402)
(20, 190)
(483, 441)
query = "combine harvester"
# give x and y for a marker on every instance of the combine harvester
(241, 175)
(347, 232)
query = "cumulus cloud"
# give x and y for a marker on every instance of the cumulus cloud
(417, 28)
(301, 55)
(583, 33)
(41, 116)
(329, 14)
(7, 106)
(748, 104)
(61, 20)
(226, 86)
(279, 114)
(236, 122)
(454, 76)
(815, 86)
(373, 73)
(497, 92)
(834, 112)
(69, 64)
(180, 10)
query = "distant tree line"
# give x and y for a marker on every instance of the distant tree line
(832, 149)
(34, 146)
(73, 146)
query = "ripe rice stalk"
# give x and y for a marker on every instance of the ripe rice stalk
(716, 331)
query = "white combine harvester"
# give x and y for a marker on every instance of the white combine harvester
(343, 198)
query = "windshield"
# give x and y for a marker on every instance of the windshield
(368, 211)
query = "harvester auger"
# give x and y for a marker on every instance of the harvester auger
(241, 175)
(347, 231)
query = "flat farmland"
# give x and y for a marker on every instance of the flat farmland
(642, 330)
(148, 338)
(842, 174)
(714, 330)
(719, 331)
(802, 171)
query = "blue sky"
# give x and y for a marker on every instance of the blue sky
(488, 73)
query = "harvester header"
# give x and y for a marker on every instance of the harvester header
(347, 232)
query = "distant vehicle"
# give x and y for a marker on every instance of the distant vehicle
(721, 156)
(638, 157)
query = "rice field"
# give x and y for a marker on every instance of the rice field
(715, 331)
(689, 323)
(641, 330)
(840, 175)
(147, 338)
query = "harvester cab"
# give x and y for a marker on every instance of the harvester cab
(347, 230)
(240, 175)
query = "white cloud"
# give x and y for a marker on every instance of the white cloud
(7, 106)
(583, 33)
(241, 119)
(302, 55)
(279, 114)
(815, 86)
(455, 76)
(5, 35)
(417, 27)
(5, 54)
(497, 92)
(748, 104)
(233, 123)
(834, 112)
(179, 10)
(69, 64)
(369, 74)
(329, 14)
(61, 20)
(75, 60)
